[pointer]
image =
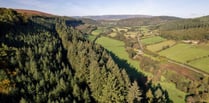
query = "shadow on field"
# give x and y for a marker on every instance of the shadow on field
(131, 71)
(140, 78)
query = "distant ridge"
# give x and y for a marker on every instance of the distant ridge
(113, 17)
(33, 13)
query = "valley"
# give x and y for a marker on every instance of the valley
(111, 59)
(173, 57)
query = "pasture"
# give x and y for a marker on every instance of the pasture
(91, 37)
(152, 40)
(160, 46)
(184, 52)
(97, 31)
(202, 64)
(117, 47)
(176, 95)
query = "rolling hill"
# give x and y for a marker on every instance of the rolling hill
(146, 21)
(34, 13)
(113, 17)
(186, 29)
(138, 21)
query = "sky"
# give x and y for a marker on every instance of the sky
(179, 8)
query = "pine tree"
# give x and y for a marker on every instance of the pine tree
(134, 93)
(22, 100)
(86, 96)
(149, 96)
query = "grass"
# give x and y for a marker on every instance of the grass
(201, 64)
(117, 47)
(176, 95)
(97, 31)
(152, 40)
(184, 52)
(91, 37)
(159, 46)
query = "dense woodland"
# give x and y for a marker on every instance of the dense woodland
(45, 59)
(186, 29)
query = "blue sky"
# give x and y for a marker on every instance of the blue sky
(180, 8)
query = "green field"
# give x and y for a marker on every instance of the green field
(152, 40)
(202, 64)
(159, 46)
(91, 37)
(176, 95)
(97, 31)
(117, 47)
(184, 52)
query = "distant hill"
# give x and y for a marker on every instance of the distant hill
(33, 13)
(139, 21)
(88, 21)
(187, 29)
(146, 21)
(113, 17)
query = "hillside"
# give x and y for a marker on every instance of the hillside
(33, 13)
(114, 17)
(145, 21)
(137, 21)
(46, 59)
(186, 29)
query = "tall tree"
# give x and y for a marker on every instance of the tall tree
(134, 94)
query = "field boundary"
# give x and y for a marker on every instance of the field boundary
(189, 67)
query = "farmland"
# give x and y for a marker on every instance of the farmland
(174, 93)
(117, 47)
(160, 46)
(97, 32)
(91, 37)
(201, 64)
(188, 54)
(184, 52)
(152, 40)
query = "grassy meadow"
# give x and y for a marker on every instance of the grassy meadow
(91, 37)
(97, 32)
(159, 46)
(176, 95)
(152, 40)
(202, 64)
(184, 52)
(117, 47)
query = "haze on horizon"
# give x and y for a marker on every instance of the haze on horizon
(179, 8)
